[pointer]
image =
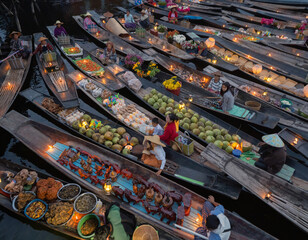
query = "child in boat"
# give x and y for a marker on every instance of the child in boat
(158, 130)
(59, 29)
(173, 15)
(16, 44)
(202, 49)
(153, 153)
(215, 83)
(109, 55)
(43, 46)
(171, 129)
(144, 19)
(87, 22)
(129, 20)
(273, 154)
(215, 224)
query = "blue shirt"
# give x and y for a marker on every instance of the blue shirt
(129, 18)
(158, 130)
(219, 234)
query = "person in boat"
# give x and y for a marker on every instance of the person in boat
(227, 101)
(120, 225)
(173, 15)
(129, 20)
(43, 46)
(16, 45)
(144, 20)
(87, 22)
(107, 16)
(171, 129)
(272, 154)
(109, 54)
(158, 130)
(215, 224)
(153, 153)
(215, 83)
(202, 49)
(59, 29)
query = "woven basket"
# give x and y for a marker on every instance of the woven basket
(64, 40)
(253, 105)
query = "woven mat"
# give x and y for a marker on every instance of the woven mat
(237, 111)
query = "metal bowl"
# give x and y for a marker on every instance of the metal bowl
(15, 198)
(73, 198)
(60, 225)
(87, 193)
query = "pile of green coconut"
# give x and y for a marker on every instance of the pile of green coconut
(114, 138)
(199, 126)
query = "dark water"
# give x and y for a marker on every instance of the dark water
(13, 227)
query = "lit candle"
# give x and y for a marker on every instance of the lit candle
(297, 54)
(269, 55)
(295, 141)
(121, 48)
(181, 105)
(108, 187)
(171, 68)
(214, 61)
(265, 93)
(268, 195)
(190, 98)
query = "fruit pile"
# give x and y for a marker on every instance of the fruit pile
(114, 138)
(196, 124)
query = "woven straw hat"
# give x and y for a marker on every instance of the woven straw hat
(88, 14)
(273, 140)
(154, 139)
(42, 39)
(15, 32)
(145, 232)
(58, 22)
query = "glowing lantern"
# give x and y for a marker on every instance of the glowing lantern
(108, 187)
(306, 91)
(191, 79)
(181, 105)
(190, 98)
(295, 141)
(210, 42)
(214, 61)
(50, 147)
(155, 28)
(265, 93)
(257, 69)
(171, 68)
(269, 55)
(268, 195)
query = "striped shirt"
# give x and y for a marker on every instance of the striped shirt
(215, 86)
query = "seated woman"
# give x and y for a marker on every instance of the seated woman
(43, 47)
(173, 15)
(171, 129)
(87, 22)
(154, 154)
(227, 101)
(109, 55)
(273, 154)
(16, 45)
(215, 83)
(129, 20)
(202, 49)
(144, 19)
(59, 30)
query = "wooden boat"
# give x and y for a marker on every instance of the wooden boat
(24, 129)
(177, 166)
(274, 6)
(13, 73)
(269, 99)
(289, 200)
(53, 74)
(69, 229)
(120, 45)
(201, 97)
(295, 141)
(103, 75)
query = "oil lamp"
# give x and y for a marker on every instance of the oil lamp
(214, 61)
(268, 195)
(50, 147)
(181, 105)
(234, 39)
(108, 187)
(171, 68)
(121, 48)
(297, 54)
(210, 42)
(150, 40)
(295, 141)
(191, 79)
(190, 98)
(264, 94)
(258, 32)
(155, 28)
(269, 54)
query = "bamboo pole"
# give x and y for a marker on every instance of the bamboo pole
(16, 16)
(6, 8)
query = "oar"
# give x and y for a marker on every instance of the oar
(189, 180)
(190, 231)
(9, 56)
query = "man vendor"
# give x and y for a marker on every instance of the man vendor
(272, 154)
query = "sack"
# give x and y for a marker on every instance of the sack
(16, 63)
(64, 39)
(151, 19)
(50, 57)
(185, 24)
(186, 144)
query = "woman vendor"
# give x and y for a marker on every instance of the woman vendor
(109, 55)
(171, 129)
(173, 15)
(87, 22)
(215, 83)
(272, 154)
(227, 101)
(16, 44)
(154, 154)
(129, 20)
(44, 46)
(202, 49)
(59, 29)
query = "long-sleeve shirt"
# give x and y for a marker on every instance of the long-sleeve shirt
(118, 230)
(172, 15)
(129, 18)
(223, 231)
(42, 49)
(158, 130)
(227, 101)
(15, 45)
(110, 55)
(215, 86)
(160, 154)
(59, 31)
(87, 22)
(144, 17)
(169, 134)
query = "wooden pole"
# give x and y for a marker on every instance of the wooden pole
(16, 17)
(6, 8)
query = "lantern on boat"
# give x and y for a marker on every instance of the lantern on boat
(295, 141)
(181, 105)
(210, 42)
(108, 187)
(305, 90)
(214, 61)
(268, 195)
(257, 69)
(190, 98)
(171, 68)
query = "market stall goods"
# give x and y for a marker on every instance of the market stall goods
(47, 189)
(85, 203)
(36, 209)
(59, 213)
(89, 226)
(23, 199)
(69, 192)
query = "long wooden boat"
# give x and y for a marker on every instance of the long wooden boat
(177, 166)
(68, 229)
(38, 137)
(275, 6)
(13, 73)
(120, 45)
(289, 200)
(53, 74)
(103, 75)
(295, 141)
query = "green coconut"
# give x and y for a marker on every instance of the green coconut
(202, 135)
(76, 125)
(86, 118)
(224, 132)
(115, 140)
(215, 126)
(163, 104)
(108, 135)
(151, 101)
(156, 106)
(191, 111)
(210, 139)
(193, 126)
(209, 133)
(202, 120)
(123, 142)
(220, 137)
(196, 131)
(201, 124)
(96, 136)
(82, 130)
(186, 120)
(107, 127)
(153, 91)
(160, 101)
(170, 100)
(188, 115)
(216, 132)
(194, 119)
(169, 109)
(228, 137)
(116, 147)
(108, 144)
(113, 130)
(134, 141)
(117, 135)
(201, 129)
(162, 110)
(121, 130)
(236, 138)
(246, 146)
(183, 111)
(146, 98)
(229, 149)
(101, 139)
(180, 115)
(89, 133)
(208, 128)
(175, 111)
(218, 143)
(125, 151)
(196, 115)
(186, 126)
(170, 105)
(208, 123)
(225, 144)
(103, 130)
(159, 95)
(176, 106)
(167, 113)
(165, 98)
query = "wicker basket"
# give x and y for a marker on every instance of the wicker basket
(64, 40)
(253, 105)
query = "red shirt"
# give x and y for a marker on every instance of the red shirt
(175, 13)
(39, 48)
(169, 134)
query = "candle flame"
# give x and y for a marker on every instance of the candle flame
(269, 55)
(50, 147)
(265, 93)
(297, 54)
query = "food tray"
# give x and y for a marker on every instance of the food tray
(36, 200)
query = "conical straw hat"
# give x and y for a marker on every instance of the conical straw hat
(273, 140)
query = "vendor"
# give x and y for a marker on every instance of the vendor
(215, 224)
(16, 45)
(109, 55)
(120, 225)
(171, 129)
(43, 46)
(272, 154)
(144, 19)
(87, 22)
(202, 49)
(154, 154)
(158, 130)
(215, 83)
(107, 16)
(59, 29)
(173, 15)
(129, 20)
(227, 101)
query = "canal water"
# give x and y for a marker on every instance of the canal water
(14, 227)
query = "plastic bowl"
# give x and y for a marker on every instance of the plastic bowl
(83, 220)
(87, 193)
(35, 200)
(14, 201)
(67, 185)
